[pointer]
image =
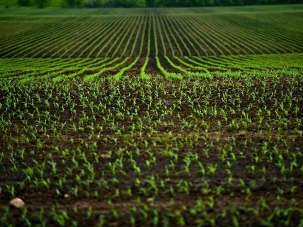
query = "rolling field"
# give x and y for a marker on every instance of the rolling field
(156, 117)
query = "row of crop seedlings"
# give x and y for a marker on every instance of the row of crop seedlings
(266, 33)
(183, 36)
(159, 32)
(73, 49)
(231, 62)
(28, 34)
(86, 40)
(59, 67)
(173, 36)
(17, 64)
(248, 63)
(119, 41)
(194, 65)
(188, 41)
(209, 43)
(281, 33)
(201, 45)
(276, 62)
(247, 43)
(174, 46)
(205, 43)
(180, 66)
(207, 66)
(50, 46)
(166, 35)
(202, 66)
(162, 36)
(112, 41)
(208, 40)
(221, 44)
(93, 68)
(233, 44)
(38, 71)
(188, 37)
(185, 40)
(72, 43)
(126, 38)
(104, 33)
(147, 33)
(70, 69)
(20, 67)
(227, 63)
(162, 45)
(292, 22)
(134, 55)
(59, 47)
(30, 45)
(90, 48)
(104, 39)
(94, 65)
(258, 41)
(125, 64)
(236, 40)
(48, 38)
(198, 64)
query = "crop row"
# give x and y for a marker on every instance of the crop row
(57, 69)
(186, 35)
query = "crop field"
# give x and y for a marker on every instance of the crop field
(156, 117)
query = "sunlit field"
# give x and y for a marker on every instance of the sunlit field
(156, 117)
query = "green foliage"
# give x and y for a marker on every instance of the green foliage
(72, 3)
(41, 3)
(148, 142)
(149, 119)
(24, 2)
(150, 3)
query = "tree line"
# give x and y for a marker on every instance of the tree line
(149, 3)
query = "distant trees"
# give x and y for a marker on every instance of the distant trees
(38, 3)
(150, 3)
(41, 3)
(23, 2)
(73, 3)
(91, 3)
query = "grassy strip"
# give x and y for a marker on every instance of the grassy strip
(119, 75)
(98, 74)
(167, 74)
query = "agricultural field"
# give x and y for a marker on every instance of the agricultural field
(156, 117)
